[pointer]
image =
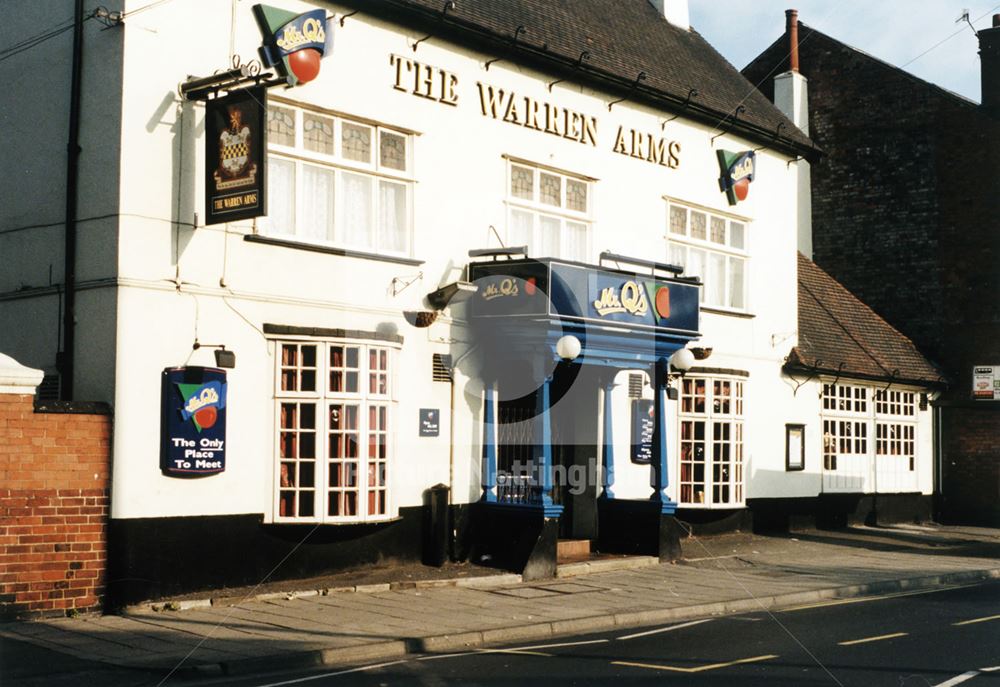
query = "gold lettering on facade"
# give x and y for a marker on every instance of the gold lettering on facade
(490, 99)
(505, 287)
(648, 147)
(433, 83)
(632, 301)
(620, 141)
(428, 82)
(507, 106)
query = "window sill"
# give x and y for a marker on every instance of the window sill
(730, 313)
(330, 250)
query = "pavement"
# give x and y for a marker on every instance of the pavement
(303, 627)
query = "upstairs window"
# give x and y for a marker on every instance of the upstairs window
(338, 182)
(548, 211)
(712, 247)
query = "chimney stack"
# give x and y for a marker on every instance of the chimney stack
(674, 11)
(791, 96)
(792, 29)
(989, 56)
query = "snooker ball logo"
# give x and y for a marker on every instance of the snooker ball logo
(294, 44)
(737, 172)
(202, 403)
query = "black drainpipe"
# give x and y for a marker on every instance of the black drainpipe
(72, 183)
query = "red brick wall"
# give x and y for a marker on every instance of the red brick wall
(54, 501)
(971, 457)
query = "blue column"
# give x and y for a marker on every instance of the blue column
(543, 448)
(660, 439)
(489, 479)
(607, 441)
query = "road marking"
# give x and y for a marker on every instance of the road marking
(989, 670)
(339, 672)
(697, 669)
(553, 646)
(894, 595)
(519, 652)
(959, 679)
(518, 649)
(872, 639)
(978, 620)
(665, 629)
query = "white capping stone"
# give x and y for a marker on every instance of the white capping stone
(15, 378)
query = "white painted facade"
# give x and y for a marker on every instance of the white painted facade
(154, 279)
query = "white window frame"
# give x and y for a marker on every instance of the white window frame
(340, 165)
(324, 399)
(681, 248)
(539, 210)
(880, 424)
(717, 419)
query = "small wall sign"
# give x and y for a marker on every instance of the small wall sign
(235, 164)
(795, 447)
(430, 422)
(193, 421)
(986, 382)
(737, 172)
(643, 422)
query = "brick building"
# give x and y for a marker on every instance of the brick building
(904, 214)
(55, 477)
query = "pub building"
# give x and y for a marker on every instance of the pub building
(532, 261)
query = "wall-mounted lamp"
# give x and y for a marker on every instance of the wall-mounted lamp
(223, 358)
(682, 360)
(456, 292)
(568, 347)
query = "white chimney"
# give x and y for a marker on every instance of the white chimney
(674, 11)
(791, 96)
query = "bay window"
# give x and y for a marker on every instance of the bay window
(711, 442)
(334, 413)
(338, 182)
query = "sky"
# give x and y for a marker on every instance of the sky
(895, 31)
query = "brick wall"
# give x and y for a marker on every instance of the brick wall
(971, 462)
(54, 501)
(905, 200)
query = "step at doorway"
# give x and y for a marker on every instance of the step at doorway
(572, 550)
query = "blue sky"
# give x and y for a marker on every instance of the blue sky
(895, 31)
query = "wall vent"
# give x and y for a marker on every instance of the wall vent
(441, 367)
(48, 390)
(635, 384)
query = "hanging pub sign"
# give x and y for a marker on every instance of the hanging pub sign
(193, 421)
(643, 422)
(235, 162)
(737, 173)
(294, 44)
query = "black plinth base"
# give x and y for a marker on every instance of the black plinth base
(637, 528)
(513, 538)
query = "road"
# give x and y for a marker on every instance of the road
(942, 638)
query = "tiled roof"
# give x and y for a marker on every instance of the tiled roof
(838, 334)
(621, 38)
